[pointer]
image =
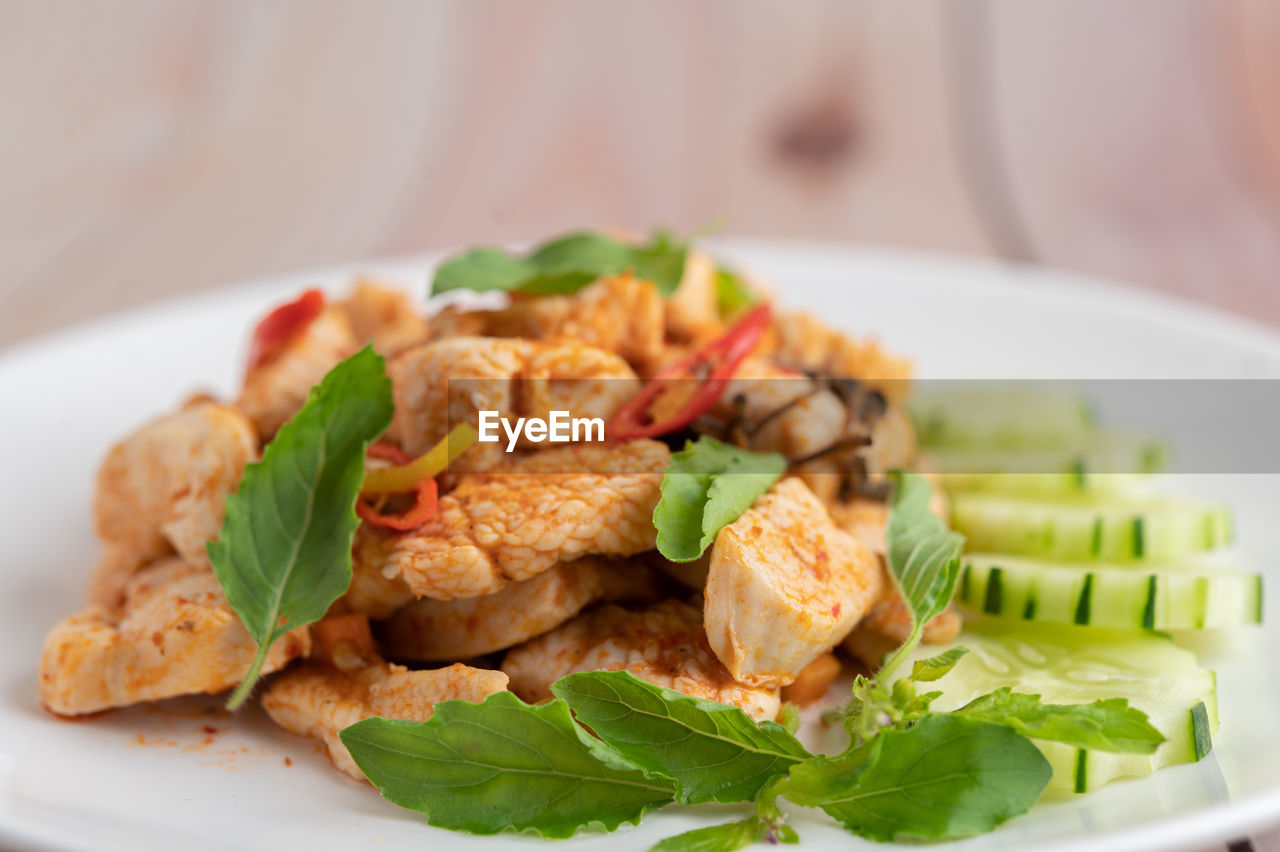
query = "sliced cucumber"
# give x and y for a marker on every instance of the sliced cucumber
(1165, 597)
(1156, 530)
(1071, 484)
(999, 415)
(1075, 665)
(1101, 462)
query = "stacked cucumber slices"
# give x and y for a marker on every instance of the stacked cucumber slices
(1079, 665)
(1076, 558)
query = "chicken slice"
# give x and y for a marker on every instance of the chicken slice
(663, 644)
(459, 629)
(174, 634)
(806, 342)
(274, 391)
(621, 314)
(163, 489)
(384, 317)
(450, 381)
(785, 586)
(318, 699)
(693, 311)
(543, 508)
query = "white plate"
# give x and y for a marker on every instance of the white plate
(154, 778)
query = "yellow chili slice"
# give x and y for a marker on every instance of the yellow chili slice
(405, 477)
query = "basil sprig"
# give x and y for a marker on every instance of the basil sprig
(707, 486)
(713, 752)
(565, 265)
(284, 552)
(503, 764)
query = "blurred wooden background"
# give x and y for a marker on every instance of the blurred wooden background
(152, 147)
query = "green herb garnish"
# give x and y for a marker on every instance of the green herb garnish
(946, 776)
(284, 552)
(923, 556)
(714, 752)
(732, 294)
(565, 265)
(1106, 725)
(707, 487)
(503, 764)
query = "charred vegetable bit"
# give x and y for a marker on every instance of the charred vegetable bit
(864, 408)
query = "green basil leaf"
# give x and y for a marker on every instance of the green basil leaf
(503, 764)
(944, 777)
(483, 269)
(714, 752)
(284, 552)
(933, 668)
(564, 265)
(732, 295)
(708, 485)
(714, 838)
(923, 557)
(584, 250)
(1107, 725)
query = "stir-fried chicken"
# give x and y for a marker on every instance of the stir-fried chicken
(460, 629)
(162, 490)
(785, 586)
(693, 311)
(544, 508)
(274, 391)
(664, 644)
(318, 699)
(621, 314)
(384, 317)
(174, 634)
(449, 381)
(806, 342)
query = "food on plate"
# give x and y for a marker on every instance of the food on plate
(458, 629)
(664, 644)
(628, 539)
(162, 490)
(173, 633)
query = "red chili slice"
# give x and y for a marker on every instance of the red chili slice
(425, 501)
(714, 364)
(282, 325)
(426, 497)
(388, 452)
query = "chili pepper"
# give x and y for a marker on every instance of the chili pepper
(425, 492)
(408, 471)
(283, 324)
(714, 364)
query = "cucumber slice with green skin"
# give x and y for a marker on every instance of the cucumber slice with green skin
(999, 415)
(1100, 463)
(1053, 486)
(1155, 530)
(1077, 665)
(1163, 597)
